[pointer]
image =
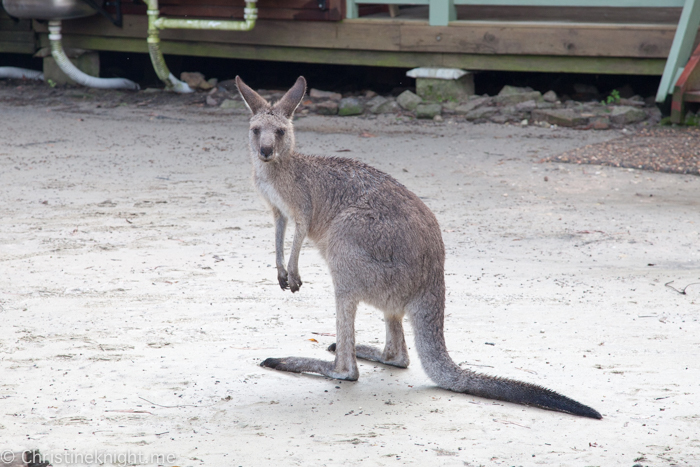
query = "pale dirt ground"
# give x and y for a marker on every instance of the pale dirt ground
(138, 297)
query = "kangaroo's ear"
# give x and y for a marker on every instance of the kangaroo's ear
(252, 99)
(290, 101)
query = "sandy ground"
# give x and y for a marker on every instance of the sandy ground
(138, 296)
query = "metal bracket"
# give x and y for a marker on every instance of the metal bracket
(117, 4)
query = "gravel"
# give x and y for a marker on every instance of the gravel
(671, 150)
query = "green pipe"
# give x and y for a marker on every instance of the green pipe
(156, 23)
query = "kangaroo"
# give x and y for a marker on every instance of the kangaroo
(383, 247)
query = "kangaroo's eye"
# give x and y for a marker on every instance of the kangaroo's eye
(280, 132)
(256, 131)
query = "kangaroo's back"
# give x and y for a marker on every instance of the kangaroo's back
(383, 246)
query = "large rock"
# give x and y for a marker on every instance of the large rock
(440, 90)
(514, 96)
(408, 100)
(350, 106)
(428, 110)
(624, 115)
(561, 117)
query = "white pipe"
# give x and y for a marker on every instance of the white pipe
(74, 73)
(11, 72)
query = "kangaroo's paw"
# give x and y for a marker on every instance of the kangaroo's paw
(282, 278)
(294, 282)
(373, 354)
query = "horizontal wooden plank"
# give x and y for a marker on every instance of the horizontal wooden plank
(275, 33)
(604, 40)
(474, 62)
(489, 38)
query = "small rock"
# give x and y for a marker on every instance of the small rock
(560, 117)
(350, 106)
(550, 96)
(327, 108)
(471, 104)
(480, 113)
(408, 100)
(438, 118)
(213, 81)
(211, 101)
(195, 80)
(316, 94)
(624, 115)
(511, 90)
(428, 110)
(152, 90)
(374, 103)
(524, 122)
(370, 94)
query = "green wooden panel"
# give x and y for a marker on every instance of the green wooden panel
(681, 48)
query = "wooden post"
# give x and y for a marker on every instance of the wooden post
(680, 49)
(352, 10)
(442, 12)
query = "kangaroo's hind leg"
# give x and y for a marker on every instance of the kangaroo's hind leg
(345, 364)
(395, 351)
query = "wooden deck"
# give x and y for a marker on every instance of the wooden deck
(579, 40)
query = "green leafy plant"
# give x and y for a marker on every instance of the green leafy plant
(613, 98)
(51, 82)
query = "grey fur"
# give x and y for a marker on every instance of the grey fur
(383, 247)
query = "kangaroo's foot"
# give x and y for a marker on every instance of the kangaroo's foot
(374, 354)
(312, 365)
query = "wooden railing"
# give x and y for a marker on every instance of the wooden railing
(441, 12)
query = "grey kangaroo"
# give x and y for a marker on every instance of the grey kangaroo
(383, 246)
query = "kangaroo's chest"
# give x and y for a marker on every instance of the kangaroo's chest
(272, 195)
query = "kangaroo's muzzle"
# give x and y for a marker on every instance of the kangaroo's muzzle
(266, 153)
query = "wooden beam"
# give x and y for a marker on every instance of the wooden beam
(376, 58)
(461, 37)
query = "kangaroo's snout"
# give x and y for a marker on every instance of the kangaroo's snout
(266, 153)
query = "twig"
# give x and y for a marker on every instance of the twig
(681, 291)
(167, 406)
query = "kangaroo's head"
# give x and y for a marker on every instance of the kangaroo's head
(271, 132)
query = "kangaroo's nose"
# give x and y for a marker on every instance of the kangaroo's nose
(266, 152)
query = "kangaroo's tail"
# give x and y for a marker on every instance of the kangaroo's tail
(447, 374)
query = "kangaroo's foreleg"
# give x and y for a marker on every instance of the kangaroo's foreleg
(345, 364)
(301, 228)
(280, 228)
(395, 351)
